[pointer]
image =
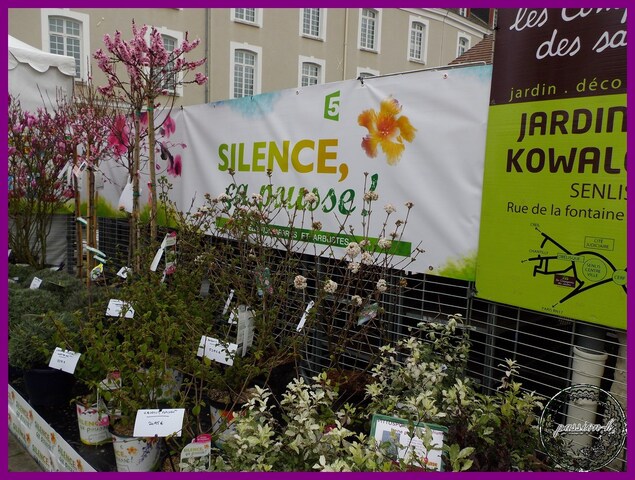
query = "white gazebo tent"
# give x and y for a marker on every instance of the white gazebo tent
(37, 77)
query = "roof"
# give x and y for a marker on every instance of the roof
(483, 51)
(20, 52)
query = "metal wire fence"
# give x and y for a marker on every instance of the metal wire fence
(543, 345)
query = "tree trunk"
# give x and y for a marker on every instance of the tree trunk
(136, 224)
(153, 185)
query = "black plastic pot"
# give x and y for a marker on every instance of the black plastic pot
(48, 387)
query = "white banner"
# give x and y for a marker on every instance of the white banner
(420, 137)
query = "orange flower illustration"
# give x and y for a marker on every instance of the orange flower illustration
(53, 438)
(386, 129)
(79, 465)
(131, 450)
(27, 437)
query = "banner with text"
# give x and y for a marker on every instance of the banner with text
(419, 136)
(553, 228)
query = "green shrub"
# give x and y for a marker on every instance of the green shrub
(33, 338)
(24, 301)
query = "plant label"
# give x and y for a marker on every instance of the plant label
(397, 432)
(156, 259)
(245, 335)
(35, 283)
(216, 350)
(368, 313)
(229, 301)
(195, 456)
(169, 240)
(160, 422)
(124, 271)
(79, 169)
(118, 307)
(306, 312)
(64, 360)
(96, 272)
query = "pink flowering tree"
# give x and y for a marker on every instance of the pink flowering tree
(140, 71)
(89, 121)
(38, 153)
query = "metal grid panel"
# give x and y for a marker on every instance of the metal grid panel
(542, 344)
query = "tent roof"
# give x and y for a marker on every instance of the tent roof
(20, 52)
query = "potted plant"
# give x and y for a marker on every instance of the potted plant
(32, 341)
(423, 378)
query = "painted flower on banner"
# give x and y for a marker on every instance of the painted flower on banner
(387, 129)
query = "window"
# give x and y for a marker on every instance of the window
(311, 71)
(169, 77)
(251, 16)
(245, 71)
(67, 33)
(369, 29)
(363, 72)
(418, 40)
(312, 22)
(464, 12)
(169, 80)
(463, 45)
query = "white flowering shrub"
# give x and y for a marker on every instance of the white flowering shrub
(263, 252)
(309, 435)
(422, 379)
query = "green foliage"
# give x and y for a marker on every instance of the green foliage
(26, 301)
(487, 431)
(33, 338)
(311, 435)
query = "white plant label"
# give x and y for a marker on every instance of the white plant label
(156, 259)
(229, 300)
(124, 271)
(64, 360)
(79, 169)
(306, 312)
(116, 307)
(35, 283)
(245, 335)
(159, 422)
(216, 350)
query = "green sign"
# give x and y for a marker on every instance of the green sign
(553, 224)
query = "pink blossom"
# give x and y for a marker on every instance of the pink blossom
(174, 166)
(169, 127)
(119, 136)
(200, 78)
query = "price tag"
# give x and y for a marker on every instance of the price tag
(163, 422)
(306, 312)
(64, 360)
(117, 307)
(216, 350)
(35, 283)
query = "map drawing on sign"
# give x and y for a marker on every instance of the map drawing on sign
(581, 270)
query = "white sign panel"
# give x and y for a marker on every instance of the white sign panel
(419, 137)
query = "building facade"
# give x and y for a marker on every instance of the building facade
(258, 50)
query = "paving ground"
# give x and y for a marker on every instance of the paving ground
(19, 459)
